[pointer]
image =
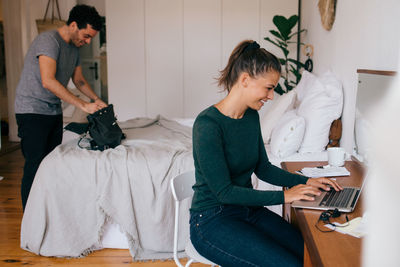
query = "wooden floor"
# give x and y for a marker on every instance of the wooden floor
(11, 166)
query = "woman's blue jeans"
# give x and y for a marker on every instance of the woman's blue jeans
(231, 235)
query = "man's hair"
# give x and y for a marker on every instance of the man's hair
(84, 15)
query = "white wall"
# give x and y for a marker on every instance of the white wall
(163, 56)
(381, 246)
(365, 35)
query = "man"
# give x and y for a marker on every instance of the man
(51, 61)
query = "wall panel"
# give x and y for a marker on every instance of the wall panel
(240, 20)
(164, 57)
(125, 57)
(202, 54)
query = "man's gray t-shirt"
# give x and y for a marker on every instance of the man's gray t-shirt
(31, 96)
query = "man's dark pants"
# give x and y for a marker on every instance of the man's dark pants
(39, 134)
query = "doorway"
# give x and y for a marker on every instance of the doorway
(94, 63)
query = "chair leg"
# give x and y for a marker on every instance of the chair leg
(190, 261)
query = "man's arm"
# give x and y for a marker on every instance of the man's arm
(80, 82)
(48, 67)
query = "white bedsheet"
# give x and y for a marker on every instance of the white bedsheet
(76, 191)
(112, 236)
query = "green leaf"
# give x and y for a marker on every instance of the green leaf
(288, 86)
(285, 51)
(278, 89)
(282, 43)
(285, 25)
(295, 33)
(282, 61)
(296, 62)
(296, 74)
(271, 41)
(276, 34)
(293, 21)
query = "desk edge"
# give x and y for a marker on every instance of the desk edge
(309, 241)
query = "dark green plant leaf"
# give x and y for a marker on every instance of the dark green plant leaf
(282, 61)
(288, 86)
(294, 71)
(295, 33)
(296, 62)
(293, 21)
(276, 34)
(285, 51)
(296, 74)
(282, 43)
(285, 25)
(271, 41)
(278, 89)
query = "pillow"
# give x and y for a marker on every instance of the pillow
(304, 85)
(288, 134)
(319, 104)
(275, 112)
(72, 113)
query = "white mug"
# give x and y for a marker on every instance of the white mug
(336, 156)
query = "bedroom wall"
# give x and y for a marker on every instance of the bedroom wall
(163, 56)
(364, 36)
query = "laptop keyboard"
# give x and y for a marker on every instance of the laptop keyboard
(338, 199)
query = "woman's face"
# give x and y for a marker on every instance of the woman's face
(260, 89)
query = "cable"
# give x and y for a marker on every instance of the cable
(325, 217)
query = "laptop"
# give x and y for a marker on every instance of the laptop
(344, 201)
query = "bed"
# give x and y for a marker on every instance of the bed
(120, 198)
(77, 193)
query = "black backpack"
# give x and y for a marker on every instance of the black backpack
(104, 129)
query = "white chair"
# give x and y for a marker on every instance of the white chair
(181, 187)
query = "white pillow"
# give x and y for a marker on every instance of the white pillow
(275, 112)
(288, 134)
(320, 104)
(304, 86)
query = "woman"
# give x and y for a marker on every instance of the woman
(229, 224)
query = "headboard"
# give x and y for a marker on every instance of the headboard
(372, 87)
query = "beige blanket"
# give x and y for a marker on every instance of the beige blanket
(75, 191)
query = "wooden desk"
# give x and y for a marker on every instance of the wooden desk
(332, 248)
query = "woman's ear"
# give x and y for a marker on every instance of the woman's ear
(244, 79)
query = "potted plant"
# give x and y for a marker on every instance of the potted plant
(283, 37)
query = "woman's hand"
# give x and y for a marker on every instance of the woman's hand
(301, 192)
(323, 182)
